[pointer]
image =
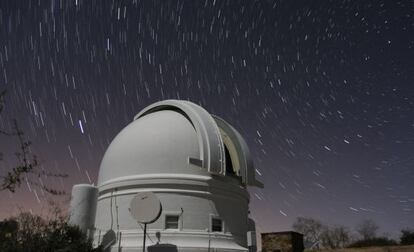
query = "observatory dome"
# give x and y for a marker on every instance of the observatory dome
(198, 167)
(175, 137)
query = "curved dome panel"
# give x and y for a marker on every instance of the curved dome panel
(159, 142)
(212, 154)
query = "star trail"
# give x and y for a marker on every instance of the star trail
(321, 90)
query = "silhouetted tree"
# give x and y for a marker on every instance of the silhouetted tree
(367, 229)
(335, 237)
(27, 233)
(407, 237)
(310, 228)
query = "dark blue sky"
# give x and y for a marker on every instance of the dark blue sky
(322, 91)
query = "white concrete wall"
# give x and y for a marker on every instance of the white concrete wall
(199, 199)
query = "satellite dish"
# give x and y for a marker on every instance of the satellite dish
(145, 207)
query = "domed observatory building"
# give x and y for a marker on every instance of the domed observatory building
(197, 165)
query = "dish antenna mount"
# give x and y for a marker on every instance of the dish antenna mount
(146, 208)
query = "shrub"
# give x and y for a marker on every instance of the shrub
(407, 237)
(29, 233)
(374, 242)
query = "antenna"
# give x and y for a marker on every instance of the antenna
(146, 208)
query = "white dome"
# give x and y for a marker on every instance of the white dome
(174, 137)
(159, 142)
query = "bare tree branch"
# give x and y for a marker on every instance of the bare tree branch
(27, 162)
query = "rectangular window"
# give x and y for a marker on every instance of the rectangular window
(216, 225)
(171, 221)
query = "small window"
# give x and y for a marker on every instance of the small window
(171, 222)
(216, 225)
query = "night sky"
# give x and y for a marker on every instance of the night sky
(323, 92)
